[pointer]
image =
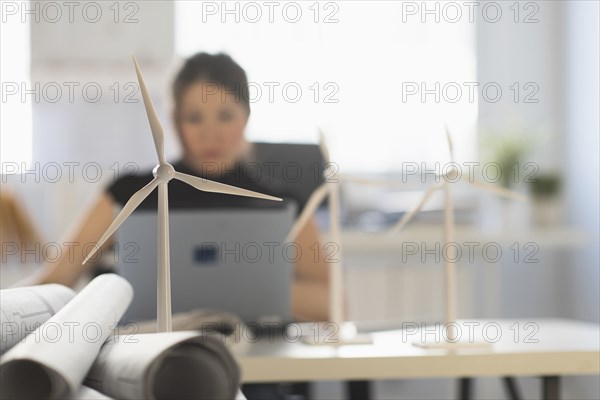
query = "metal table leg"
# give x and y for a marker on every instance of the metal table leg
(358, 390)
(511, 387)
(551, 387)
(465, 386)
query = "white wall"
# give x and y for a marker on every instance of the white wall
(87, 128)
(582, 133)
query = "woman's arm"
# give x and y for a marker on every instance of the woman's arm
(68, 269)
(310, 291)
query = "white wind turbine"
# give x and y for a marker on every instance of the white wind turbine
(163, 173)
(331, 188)
(447, 180)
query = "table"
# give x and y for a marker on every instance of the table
(547, 348)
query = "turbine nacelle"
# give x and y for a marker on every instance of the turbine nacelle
(164, 172)
(452, 174)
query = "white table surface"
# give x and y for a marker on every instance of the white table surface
(549, 347)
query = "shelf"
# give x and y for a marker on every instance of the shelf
(563, 237)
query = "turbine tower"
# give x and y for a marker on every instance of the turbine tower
(330, 188)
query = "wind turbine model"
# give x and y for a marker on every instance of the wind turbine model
(331, 188)
(163, 173)
(448, 179)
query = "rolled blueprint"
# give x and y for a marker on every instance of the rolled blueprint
(174, 365)
(23, 310)
(52, 361)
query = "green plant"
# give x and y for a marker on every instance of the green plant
(545, 186)
(507, 150)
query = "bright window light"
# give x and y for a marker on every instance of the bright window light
(355, 64)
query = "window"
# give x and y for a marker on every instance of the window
(357, 70)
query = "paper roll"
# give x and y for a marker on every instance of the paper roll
(52, 362)
(173, 365)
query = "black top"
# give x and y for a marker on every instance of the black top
(182, 195)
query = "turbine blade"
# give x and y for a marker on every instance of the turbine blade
(407, 217)
(210, 186)
(450, 145)
(496, 189)
(129, 207)
(309, 209)
(323, 147)
(155, 126)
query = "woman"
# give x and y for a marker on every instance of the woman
(211, 111)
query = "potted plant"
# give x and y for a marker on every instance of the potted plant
(545, 191)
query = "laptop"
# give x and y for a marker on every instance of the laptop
(222, 259)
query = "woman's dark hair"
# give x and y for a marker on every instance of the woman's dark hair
(219, 69)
